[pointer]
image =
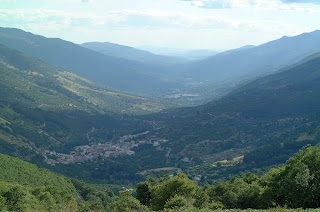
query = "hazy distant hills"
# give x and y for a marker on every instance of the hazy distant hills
(186, 54)
(126, 52)
(118, 73)
(245, 63)
(292, 91)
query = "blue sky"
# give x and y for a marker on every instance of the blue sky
(194, 24)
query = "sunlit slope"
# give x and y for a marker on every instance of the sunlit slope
(29, 81)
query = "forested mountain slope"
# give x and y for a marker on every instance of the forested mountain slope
(118, 73)
(45, 109)
(33, 83)
(14, 170)
(245, 63)
(261, 123)
(25, 187)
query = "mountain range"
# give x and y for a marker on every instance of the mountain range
(253, 61)
(123, 74)
(143, 73)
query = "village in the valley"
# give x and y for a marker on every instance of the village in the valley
(92, 152)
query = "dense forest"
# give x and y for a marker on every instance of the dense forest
(293, 185)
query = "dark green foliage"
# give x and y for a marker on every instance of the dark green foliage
(293, 185)
(93, 199)
(24, 187)
(144, 193)
(3, 201)
(296, 185)
(176, 202)
(201, 198)
(126, 203)
(16, 198)
(157, 195)
(179, 185)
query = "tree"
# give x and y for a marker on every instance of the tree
(126, 202)
(144, 193)
(179, 185)
(16, 198)
(201, 198)
(297, 184)
(176, 202)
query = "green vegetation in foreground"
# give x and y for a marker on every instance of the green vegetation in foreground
(14, 170)
(294, 185)
(278, 209)
(25, 187)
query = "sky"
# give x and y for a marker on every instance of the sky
(189, 24)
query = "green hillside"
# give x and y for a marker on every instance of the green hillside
(33, 83)
(123, 74)
(16, 171)
(42, 109)
(252, 61)
(25, 187)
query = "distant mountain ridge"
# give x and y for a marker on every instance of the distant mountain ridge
(27, 80)
(187, 54)
(130, 53)
(126, 75)
(245, 63)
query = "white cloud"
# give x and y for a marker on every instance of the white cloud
(86, 1)
(255, 4)
(197, 3)
(246, 22)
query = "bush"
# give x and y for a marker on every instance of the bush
(176, 202)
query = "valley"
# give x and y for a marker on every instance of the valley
(107, 117)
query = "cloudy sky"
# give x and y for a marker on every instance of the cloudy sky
(197, 24)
